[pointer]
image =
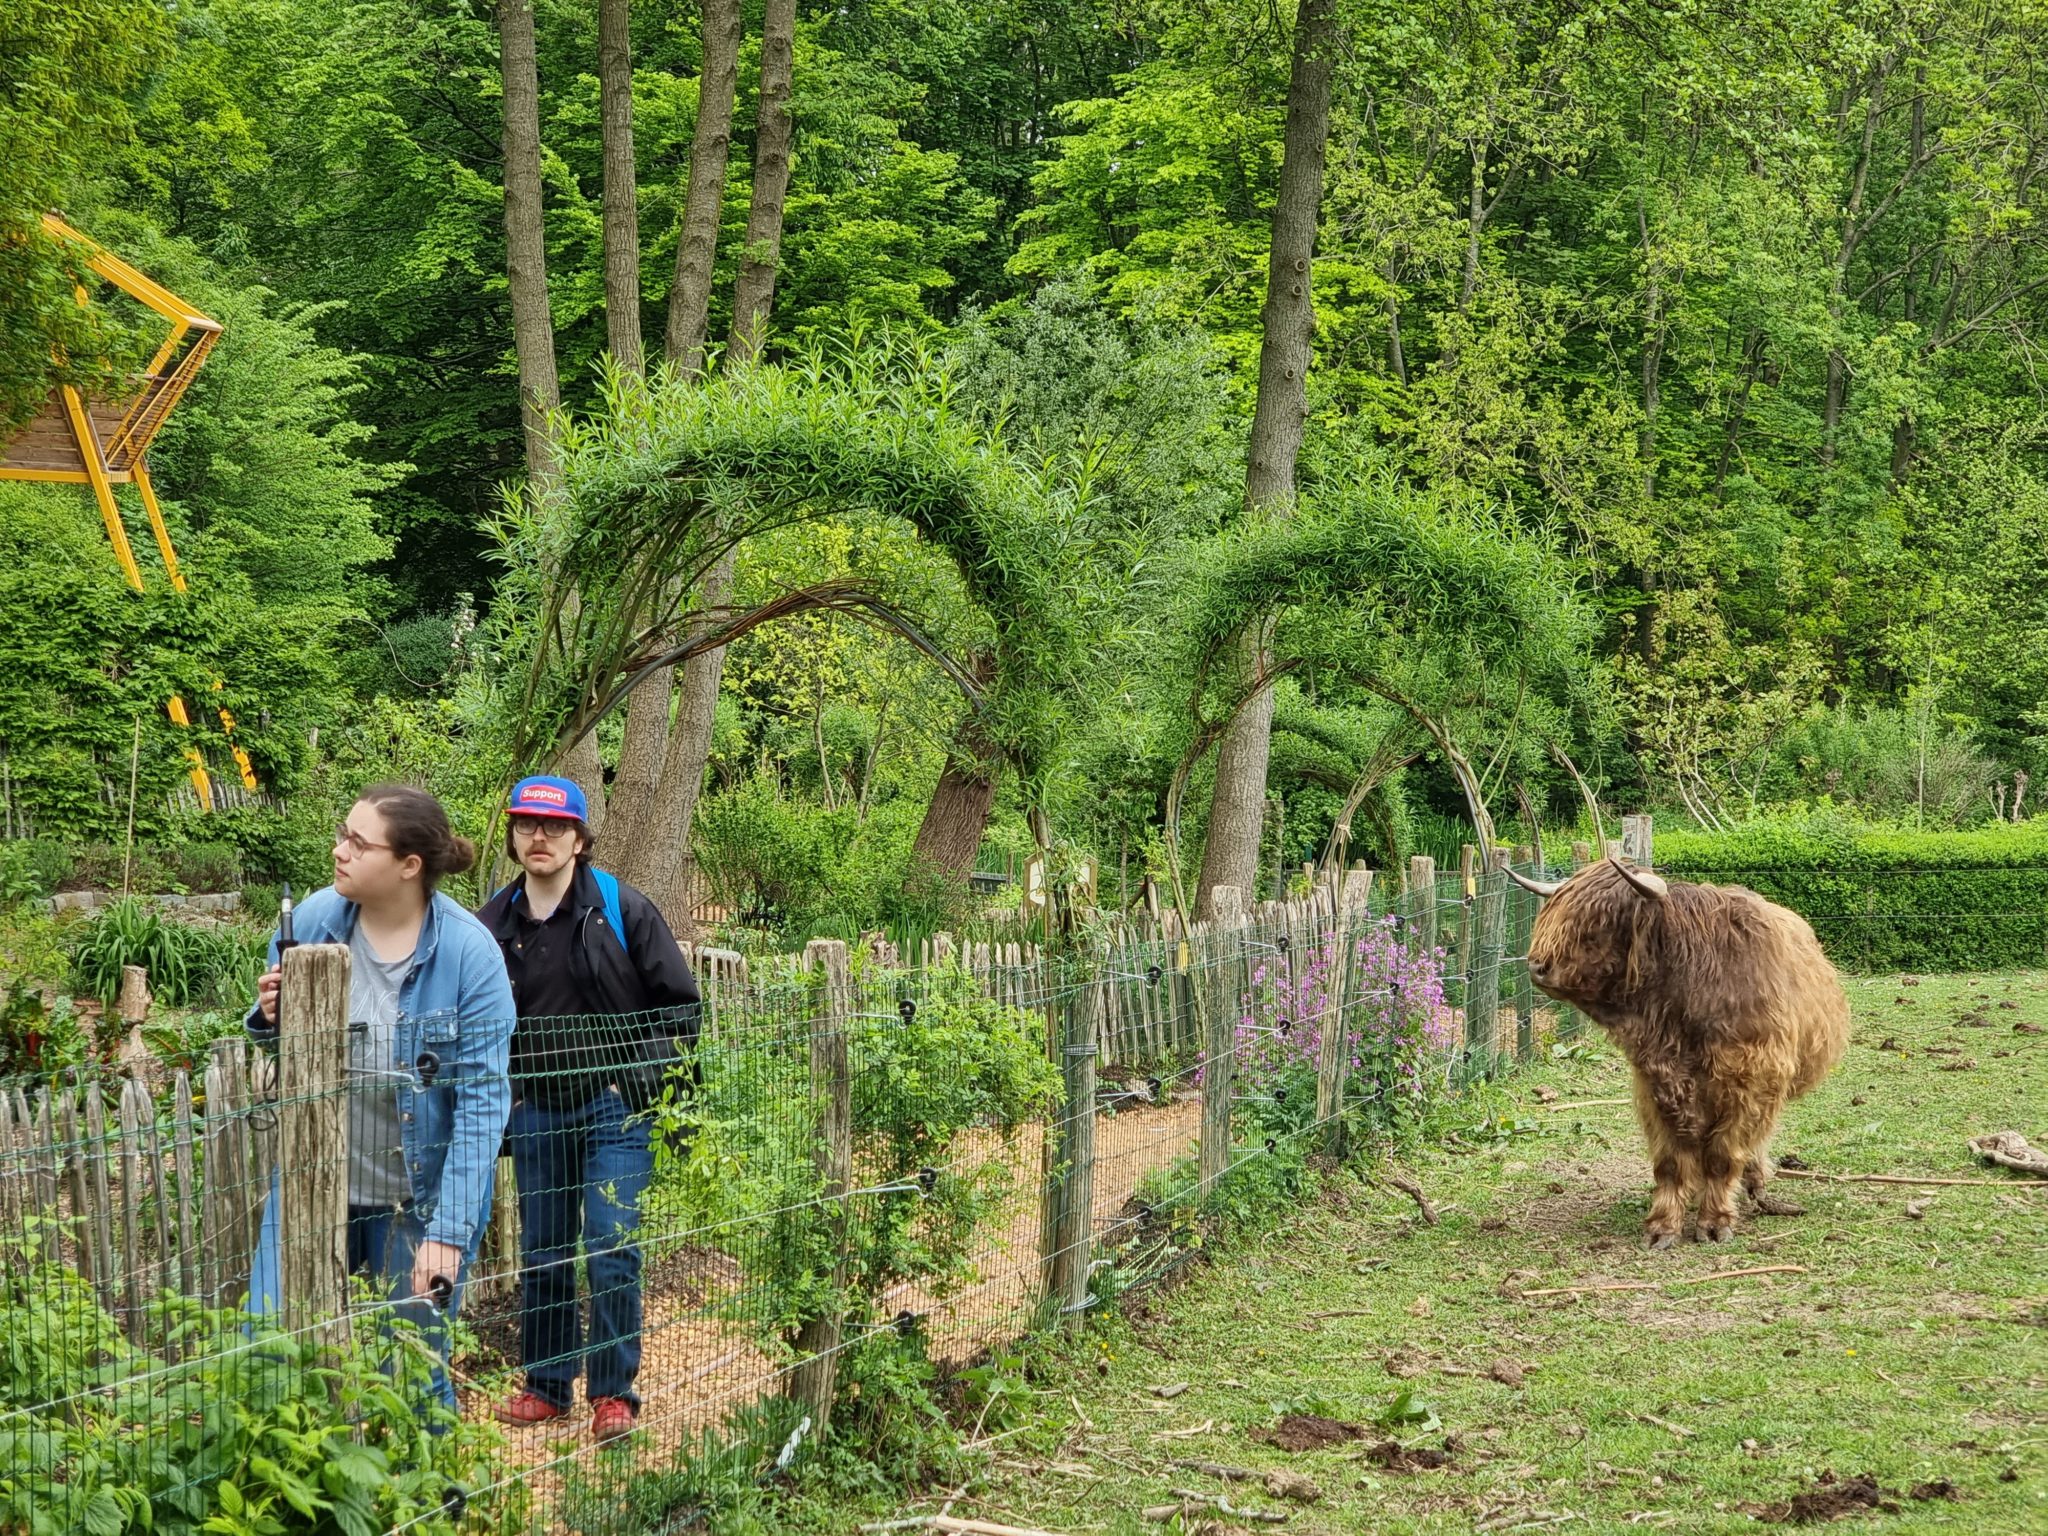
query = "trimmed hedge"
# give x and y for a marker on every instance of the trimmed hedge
(1889, 900)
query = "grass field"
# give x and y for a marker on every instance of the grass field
(1910, 1345)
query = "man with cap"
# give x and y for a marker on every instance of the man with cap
(608, 1012)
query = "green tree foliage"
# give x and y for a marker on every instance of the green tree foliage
(69, 72)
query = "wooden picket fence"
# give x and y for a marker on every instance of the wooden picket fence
(141, 1200)
(145, 1193)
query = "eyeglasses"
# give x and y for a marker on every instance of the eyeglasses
(347, 837)
(548, 829)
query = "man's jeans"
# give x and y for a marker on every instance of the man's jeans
(582, 1173)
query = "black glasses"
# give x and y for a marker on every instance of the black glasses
(549, 829)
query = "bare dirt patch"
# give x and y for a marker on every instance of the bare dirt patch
(1299, 1432)
(1396, 1457)
(1838, 1498)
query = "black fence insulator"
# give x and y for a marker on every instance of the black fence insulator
(1282, 942)
(906, 1323)
(1279, 1095)
(1152, 1086)
(1152, 974)
(908, 1009)
(1272, 1145)
(1286, 1025)
(428, 1066)
(455, 1501)
(927, 1179)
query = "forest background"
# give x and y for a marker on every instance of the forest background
(1674, 399)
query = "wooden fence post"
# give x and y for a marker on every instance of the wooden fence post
(1333, 1045)
(1215, 956)
(312, 1141)
(813, 1380)
(1582, 855)
(1422, 901)
(1074, 1227)
(1482, 988)
(1636, 840)
(1523, 911)
(185, 1168)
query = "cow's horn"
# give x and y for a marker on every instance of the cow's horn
(1646, 884)
(1540, 887)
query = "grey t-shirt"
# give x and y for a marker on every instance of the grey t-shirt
(376, 1156)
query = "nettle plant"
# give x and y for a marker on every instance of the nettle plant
(1397, 1028)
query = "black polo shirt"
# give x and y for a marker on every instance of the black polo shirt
(540, 959)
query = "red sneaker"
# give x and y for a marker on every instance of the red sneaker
(529, 1408)
(611, 1418)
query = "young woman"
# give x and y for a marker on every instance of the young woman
(430, 1032)
(607, 1013)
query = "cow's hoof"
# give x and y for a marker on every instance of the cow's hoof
(1658, 1241)
(1717, 1231)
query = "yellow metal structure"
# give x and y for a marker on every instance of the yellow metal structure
(100, 443)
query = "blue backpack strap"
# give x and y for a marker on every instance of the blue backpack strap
(608, 890)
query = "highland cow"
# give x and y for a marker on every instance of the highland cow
(1725, 1007)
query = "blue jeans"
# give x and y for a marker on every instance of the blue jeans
(382, 1241)
(582, 1173)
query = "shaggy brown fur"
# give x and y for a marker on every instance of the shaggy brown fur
(1726, 1009)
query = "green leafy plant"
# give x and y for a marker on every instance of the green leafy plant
(1409, 1411)
(718, 1482)
(130, 933)
(186, 964)
(225, 1434)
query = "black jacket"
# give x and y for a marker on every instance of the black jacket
(646, 980)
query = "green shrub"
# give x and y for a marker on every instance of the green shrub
(279, 1434)
(100, 866)
(207, 867)
(32, 868)
(1884, 899)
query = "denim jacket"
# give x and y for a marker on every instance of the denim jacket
(455, 1021)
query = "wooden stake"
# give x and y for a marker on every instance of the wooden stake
(813, 1381)
(312, 1123)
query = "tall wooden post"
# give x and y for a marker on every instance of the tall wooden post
(1489, 921)
(817, 1340)
(1522, 905)
(1636, 840)
(1333, 1045)
(1074, 1225)
(312, 1141)
(1217, 953)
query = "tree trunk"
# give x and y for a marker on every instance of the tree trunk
(1397, 357)
(754, 292)
(1475, 226)
(957, 815)
(533, 326)
(643, 754)
(621, 213)
(689, 301)
(1653, 352)
(1230, 852)
(526, 252)
(658, 859)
